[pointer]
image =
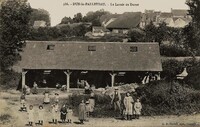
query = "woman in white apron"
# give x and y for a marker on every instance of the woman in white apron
(128, 103)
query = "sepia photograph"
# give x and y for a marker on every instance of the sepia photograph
(107, 63)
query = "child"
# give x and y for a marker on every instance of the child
(54, 114)
(24, 89)
(92, 102)
(56, 97)
(23, 101)
(82, 109)
(30, 115)
(35, 88)
(63, 87)
(41, 115)
(69, 115)
(56, 106)
(24, 108)
(46, 97)
(63, 113)
(123, 111)
(87, 88)
(58, 86)
(88, 108)
(137, 108)
(28, 90)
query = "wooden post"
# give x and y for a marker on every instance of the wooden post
(158, 76)
(112, 79)
(23, 78)
(68, 73)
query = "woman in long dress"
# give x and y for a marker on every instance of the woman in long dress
(128, 103)
(82, 111)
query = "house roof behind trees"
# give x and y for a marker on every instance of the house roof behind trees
(99, 28)
(107, 17)
(99, 56)
(126, 20)
(165, 15)
(179, 12)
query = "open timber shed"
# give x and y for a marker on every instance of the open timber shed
(109, 57)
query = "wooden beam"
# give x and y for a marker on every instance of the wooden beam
(24, 78)
(113, 79)
(68, 73)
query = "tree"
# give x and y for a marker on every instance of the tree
(192, 39)
(171, 68)
(151, 32)
(40, 14)
(192, 31)
(175, 35)
(53, 32)
(161, 32)
(194, 10)
(94, 17)
(79, 30)
(66, 20)
(14, 27)
(78, 18)
(137, 35)
(66, 31)
(40, 34)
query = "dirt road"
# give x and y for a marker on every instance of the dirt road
(10, 105)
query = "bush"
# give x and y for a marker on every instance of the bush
(164, 98)
(102, 105)
(193, 77)
(158, 98)
(173, 67)
(173, 51)
(9, 79)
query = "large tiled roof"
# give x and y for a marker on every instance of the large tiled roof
(109, 56)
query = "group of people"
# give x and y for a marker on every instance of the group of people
(65, 111)
(65, 114)
(31, 113)
(85, 109)
(128, 107)
(27, 90)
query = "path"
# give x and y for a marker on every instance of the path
(20, 118)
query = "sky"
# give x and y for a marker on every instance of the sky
(61, 8)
